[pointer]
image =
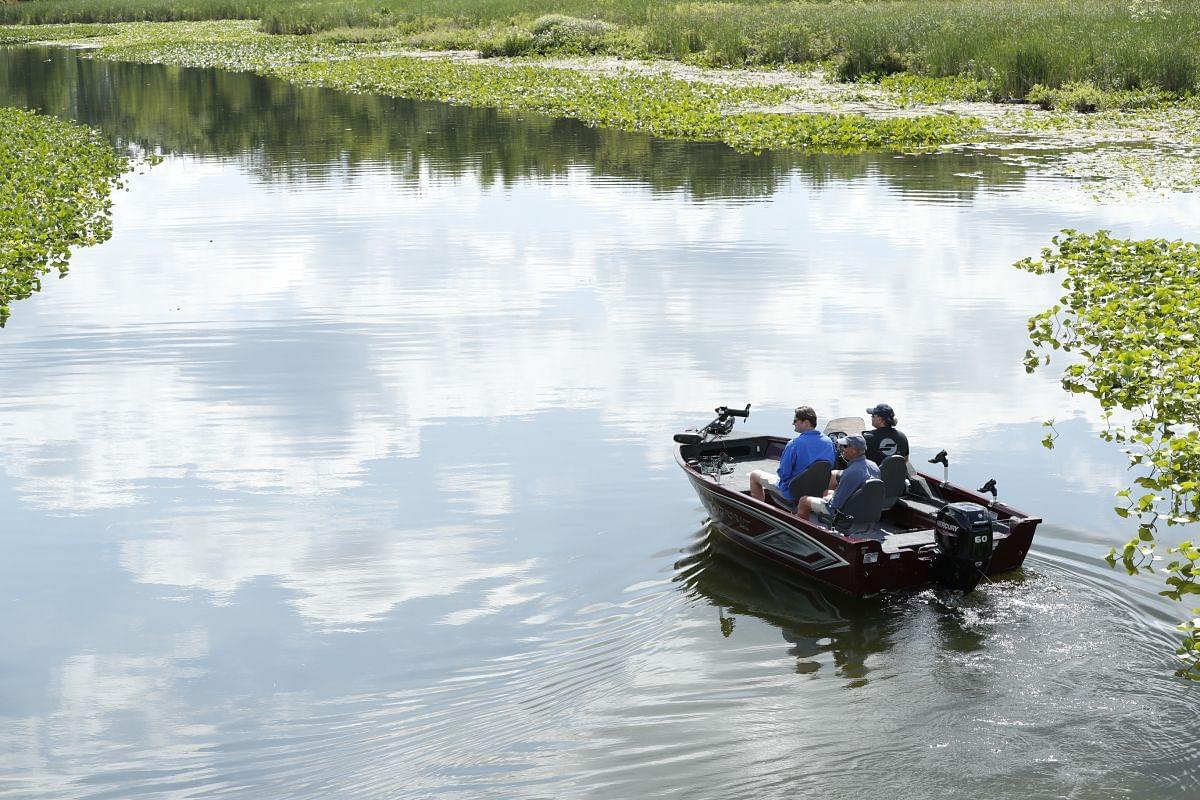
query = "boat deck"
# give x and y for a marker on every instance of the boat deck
(906, 540)
(892, 537)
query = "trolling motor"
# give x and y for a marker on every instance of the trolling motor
(962, 533)
(721, 426)
(941, 458)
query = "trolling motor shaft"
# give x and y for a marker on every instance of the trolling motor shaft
(943, 459)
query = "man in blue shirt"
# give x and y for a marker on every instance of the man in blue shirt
(857, 472)
(811, 445)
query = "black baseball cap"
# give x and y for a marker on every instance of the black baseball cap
(883, 410)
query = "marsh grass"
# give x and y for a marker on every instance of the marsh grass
(83, 11)
(1012, 45)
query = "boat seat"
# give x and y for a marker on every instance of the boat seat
(893, 471)
(812, 482)
(862, 510)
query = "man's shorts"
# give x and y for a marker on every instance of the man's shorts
(819, 506)
(766, 478)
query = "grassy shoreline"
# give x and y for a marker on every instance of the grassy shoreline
(56, 178)
(1012, 46)
(751, 109)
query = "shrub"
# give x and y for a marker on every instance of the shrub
(1081, 97)
(562, 25)
(560, 34)
(513, 42)
(1086, 97)
(563, 34)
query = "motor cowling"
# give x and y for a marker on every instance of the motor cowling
(963, 535)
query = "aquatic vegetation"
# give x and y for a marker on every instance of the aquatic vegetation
(628, 100)
(55, 182)
(632, 101)
(1115, 174)
(42, 33)
(625, 99)
(908, 89)
(1130, 318)
(1120, 153)
(223, 45)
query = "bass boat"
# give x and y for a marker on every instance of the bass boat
(903, 530)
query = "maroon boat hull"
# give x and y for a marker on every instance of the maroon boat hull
(856, 565)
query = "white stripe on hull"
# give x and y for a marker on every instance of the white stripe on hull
(831, 559)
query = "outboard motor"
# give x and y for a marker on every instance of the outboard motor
(963, 533)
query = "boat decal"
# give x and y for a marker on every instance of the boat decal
(826, 558)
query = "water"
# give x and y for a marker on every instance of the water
(343, 468)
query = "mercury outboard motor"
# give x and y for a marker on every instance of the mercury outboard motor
(963, 533)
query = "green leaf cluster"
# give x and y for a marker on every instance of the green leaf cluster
(1130, 317)
(55, 182)
(909, 89)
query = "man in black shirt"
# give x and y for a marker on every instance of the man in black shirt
(884, 440)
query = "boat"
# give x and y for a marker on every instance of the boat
(904, 530)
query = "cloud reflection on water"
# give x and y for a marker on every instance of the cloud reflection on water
(345, 329)
(390, 435)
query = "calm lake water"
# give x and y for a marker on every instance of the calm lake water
(343, 469)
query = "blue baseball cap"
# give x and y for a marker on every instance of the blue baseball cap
(883, 410)
(856, 441)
